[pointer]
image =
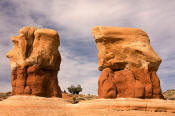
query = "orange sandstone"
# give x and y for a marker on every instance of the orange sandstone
(128, 63)
(35, 62)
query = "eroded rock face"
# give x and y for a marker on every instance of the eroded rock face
(35, 62)
(124, 48)
(128, 63)
(138, 83)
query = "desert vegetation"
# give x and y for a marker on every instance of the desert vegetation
(75, 89)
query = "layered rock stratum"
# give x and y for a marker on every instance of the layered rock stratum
(128, 63)
(40, 106)
(35, 62)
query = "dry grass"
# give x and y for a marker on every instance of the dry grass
(77, 98)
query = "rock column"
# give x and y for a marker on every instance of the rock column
(128, 64)
(35, 62)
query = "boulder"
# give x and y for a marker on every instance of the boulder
(35, 62)
(122, 48)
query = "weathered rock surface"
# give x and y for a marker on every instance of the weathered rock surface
(128, 63)
(138, 83)
(40, 106)
(35, 62)
(124, 48)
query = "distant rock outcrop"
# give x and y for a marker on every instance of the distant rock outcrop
(128, 63)
(35, 62)
(169, 94)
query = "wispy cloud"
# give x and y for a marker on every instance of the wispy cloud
(74, 21)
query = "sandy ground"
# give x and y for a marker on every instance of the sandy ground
(40, 106)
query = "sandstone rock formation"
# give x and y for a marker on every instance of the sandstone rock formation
(40, 106)
(35, 62)
(128, 63)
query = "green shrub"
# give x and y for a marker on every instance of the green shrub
(75, 90)
(64, 91)
(75, 100)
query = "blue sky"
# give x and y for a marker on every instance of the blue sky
(74, 20)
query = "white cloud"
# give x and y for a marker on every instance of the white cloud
(73, 71)
(76, 18)
(5, 87)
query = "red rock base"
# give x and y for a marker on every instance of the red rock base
(139, 83)
(35, 81)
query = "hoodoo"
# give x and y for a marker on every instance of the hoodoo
(128, 63)
(35, 62)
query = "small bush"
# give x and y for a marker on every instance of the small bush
(75, 90)
(64, 91)
(75, 100)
